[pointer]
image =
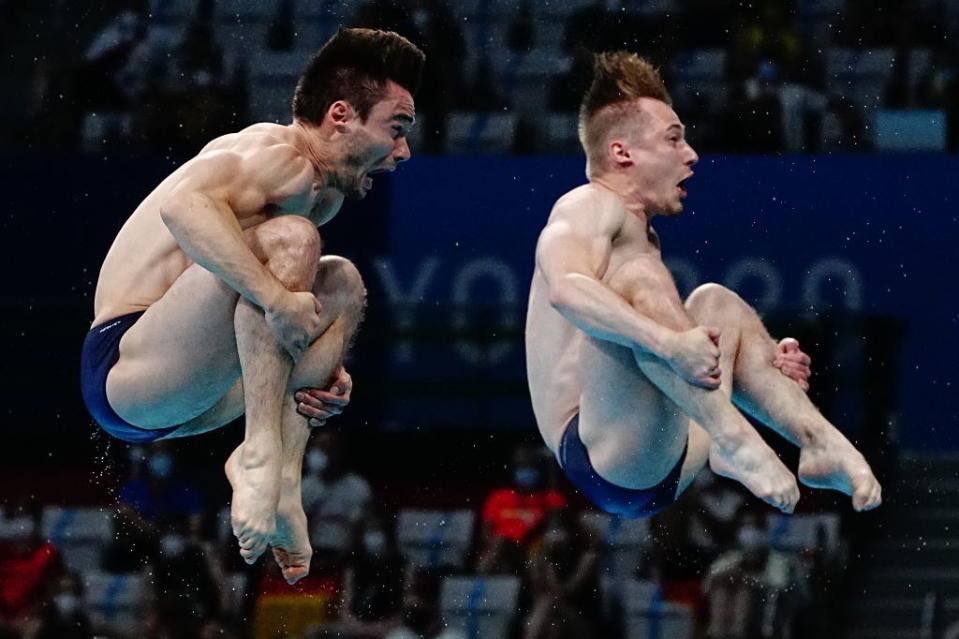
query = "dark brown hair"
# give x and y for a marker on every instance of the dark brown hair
(355, 65)
(619, 79)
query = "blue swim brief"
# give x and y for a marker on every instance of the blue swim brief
(616, 500)
(101, 349)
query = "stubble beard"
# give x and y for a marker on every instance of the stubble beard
(348, 180)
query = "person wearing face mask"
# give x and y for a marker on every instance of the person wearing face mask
(563, 572)
(335, 497)
(155, 497)
(753, 590)
(64, 616)
(373, 583)
(510, 515)
(162, 494)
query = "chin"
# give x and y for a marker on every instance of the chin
(354, 191)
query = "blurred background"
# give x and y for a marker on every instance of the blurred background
(826, 195)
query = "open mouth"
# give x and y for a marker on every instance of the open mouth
(681, 187)
(368, 177)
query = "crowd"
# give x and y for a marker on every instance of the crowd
(531, 561)
(787, 75)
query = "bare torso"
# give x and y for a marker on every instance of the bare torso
(145, 259)
(552, 342)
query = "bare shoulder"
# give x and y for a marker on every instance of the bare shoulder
(589, 209)
(572, 201)
(262, 157)
(253, 137)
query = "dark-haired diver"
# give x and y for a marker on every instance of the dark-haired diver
(634, 389)
(215, 301)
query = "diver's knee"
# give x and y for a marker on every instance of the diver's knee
(291, 247)
(338, 278)
(708, 299)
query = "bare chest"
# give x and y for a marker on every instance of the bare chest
(632, 244)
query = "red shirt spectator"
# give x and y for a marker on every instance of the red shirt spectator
(511, 514)
(24, 570)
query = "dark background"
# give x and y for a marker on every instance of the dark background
(826, 195)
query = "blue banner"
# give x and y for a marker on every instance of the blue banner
(867, 234)
(446, 247)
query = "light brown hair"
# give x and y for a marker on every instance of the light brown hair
(619, 79)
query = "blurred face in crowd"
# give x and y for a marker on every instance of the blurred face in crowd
(67, 598)
(752, 539)
(326, 454)
(527, 471)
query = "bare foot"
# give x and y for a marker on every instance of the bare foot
(253, 507)
(752, 463)
(291, 543)
(832, 462)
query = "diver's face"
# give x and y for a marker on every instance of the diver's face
(378, 143)
(661, 158)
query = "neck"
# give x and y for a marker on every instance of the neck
(315, 145)
(627, 191)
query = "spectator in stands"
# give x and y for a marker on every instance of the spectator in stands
(184, 585)
(563, 572)
(719, 506)
(675, 559)
(939, 89)
(149, 505)
(610, 25)
(879, 23)
(595, 27)
(27, 565)
(421, 616)
(373, 583)
(162, 495)
(281, 35)
(511, 516)
(64, 616)
(190, 93)
(842, 127)
(335, 497)
(100, 67)
(752, 121)
(753, 591)
(767, 34)
(432, 26)
(821, 611)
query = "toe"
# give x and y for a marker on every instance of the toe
(864, 496)
(860, 502)
(875, 497)
(293, 574)
(251, 552)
